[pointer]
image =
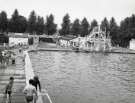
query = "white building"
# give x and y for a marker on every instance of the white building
(132, 44)
(18, 39)
(65, 41)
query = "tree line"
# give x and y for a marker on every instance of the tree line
(35, 24)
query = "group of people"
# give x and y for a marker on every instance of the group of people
(30, 91)
(7, 56)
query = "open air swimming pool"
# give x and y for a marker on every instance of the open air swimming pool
(86, 77)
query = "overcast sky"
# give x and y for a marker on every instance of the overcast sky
(90, 9)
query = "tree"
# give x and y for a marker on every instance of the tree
(17, 23)
(105, 25)
(3, 22)
(114, 31)
(75, 29)
(65, 25)
(13, 23)
(94, 23)
(84, 27)
(22, 24)
(132, 26)
(129, 26)
(127, 30)
(40, 25)
(50, 26)
(32, 23)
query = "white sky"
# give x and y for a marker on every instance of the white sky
(90, 9)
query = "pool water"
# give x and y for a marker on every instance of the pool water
(71, 77)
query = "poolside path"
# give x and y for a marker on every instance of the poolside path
(21, 72)
(17, 71)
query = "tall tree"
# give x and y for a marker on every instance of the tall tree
(50, 26)
(17, 23)
(22, 24)
(75, 29)
(105, 25)
(94, 23)
(40, 25)
(84, 27)
(13, 24)
(127, 30)
(3, 21)
(132, 26)
(114, 31)
(65, 30)
(32, 23)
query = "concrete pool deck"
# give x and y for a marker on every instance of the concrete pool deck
(54, 47)
(60, 49)
(17, 71)
(21, 73)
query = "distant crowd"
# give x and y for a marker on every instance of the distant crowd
(7, 57)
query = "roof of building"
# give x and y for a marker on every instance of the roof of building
(18, 35)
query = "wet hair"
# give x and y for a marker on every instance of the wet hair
(11, 78)
(31, 81)
(36, 77)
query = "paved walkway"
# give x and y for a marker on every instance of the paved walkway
(17, 71)
(22, 73)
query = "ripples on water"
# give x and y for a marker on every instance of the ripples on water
(86, 77)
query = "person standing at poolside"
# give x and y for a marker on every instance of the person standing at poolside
(8, 90)
(1, 57)
(13, 58)
(36, 83)
(24, 56)
(30, 92)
